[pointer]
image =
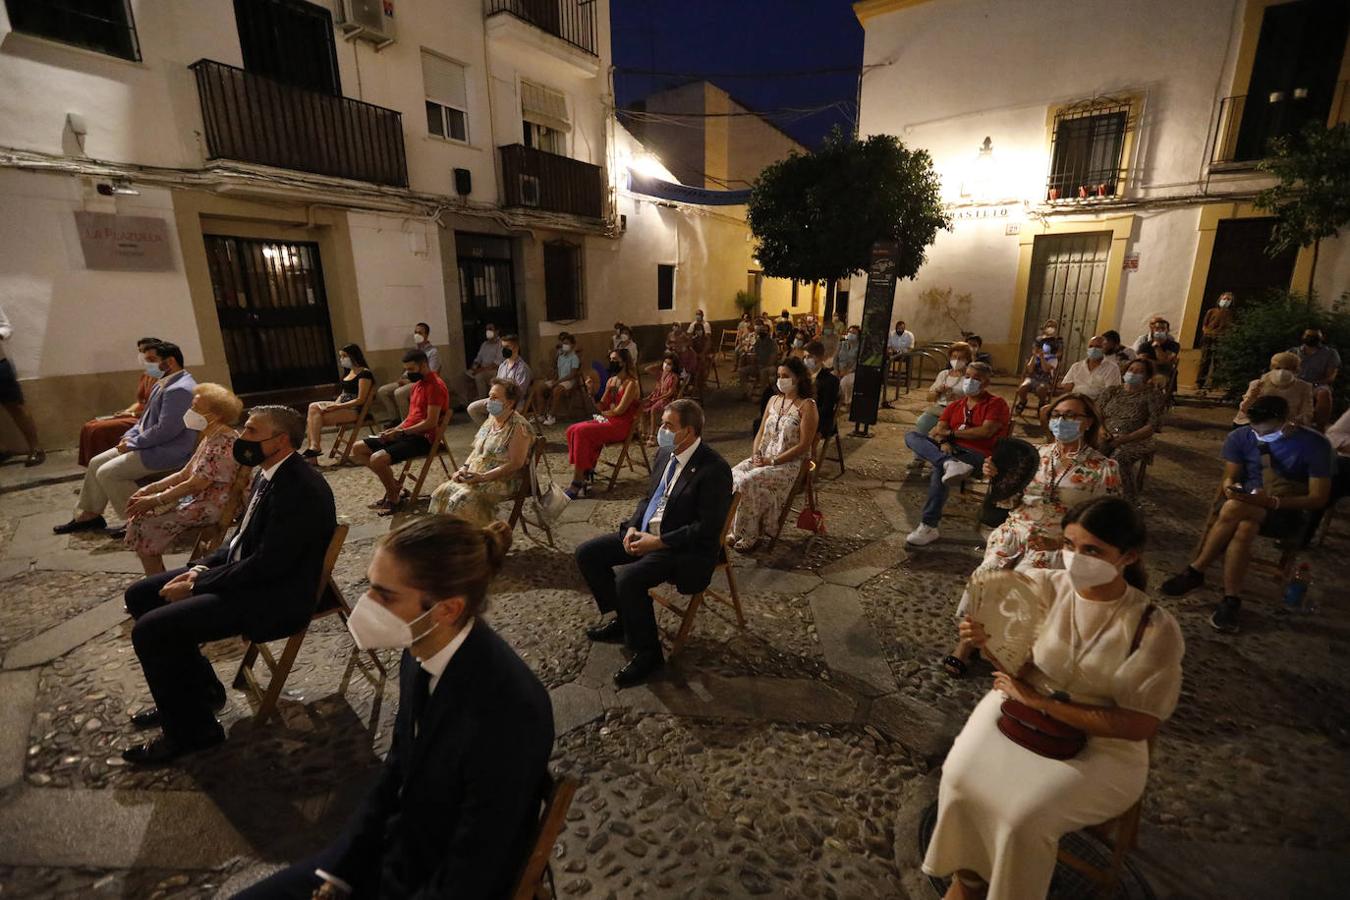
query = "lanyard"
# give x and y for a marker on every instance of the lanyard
(1055, 480)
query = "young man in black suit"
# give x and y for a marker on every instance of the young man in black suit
(672, 537)
(827, 387)
(261, 582)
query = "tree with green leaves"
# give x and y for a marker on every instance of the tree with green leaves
(816, 216)
(1313, 196)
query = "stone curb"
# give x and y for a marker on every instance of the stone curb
(18, 700)
(67, 636)
(847, 640)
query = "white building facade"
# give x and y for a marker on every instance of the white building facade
(1098, 160)
(264, 181)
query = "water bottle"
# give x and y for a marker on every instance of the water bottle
(1296, 592)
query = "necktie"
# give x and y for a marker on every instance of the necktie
(421, 692)
(659, 495)
(238, 540)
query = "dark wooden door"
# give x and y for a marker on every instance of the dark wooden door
(273, 313)
(486, 289)
(1298, 59)
(1240, 264)
(290, 41)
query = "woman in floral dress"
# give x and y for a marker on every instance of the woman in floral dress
(1071, 471)
(785, 437)
(496, 463)
(1132, 414)
(195, 495)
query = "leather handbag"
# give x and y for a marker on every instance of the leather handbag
(811, 518)
(549, 500)
(1043, 734)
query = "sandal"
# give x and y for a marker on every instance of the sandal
(35, 458)
(311, 453)
(955, 666)
(745, 546)
(574, 490)
(390, 510)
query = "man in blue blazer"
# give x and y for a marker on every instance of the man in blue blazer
(672, 537)
(157, 444)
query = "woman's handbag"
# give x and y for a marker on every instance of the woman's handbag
(1043, 734)
(550, 501)
(811, 518)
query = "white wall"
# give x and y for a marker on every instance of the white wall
(69, 320)
(398, 279)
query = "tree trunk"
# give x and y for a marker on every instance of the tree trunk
(829, 301)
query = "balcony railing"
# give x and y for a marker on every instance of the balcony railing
(1246, 125)
(535, 179)
(571, 20)
(255, 119)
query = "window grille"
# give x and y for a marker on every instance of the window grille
(1087, 158)
(103, 25)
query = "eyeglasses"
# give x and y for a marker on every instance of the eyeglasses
(1071, 416)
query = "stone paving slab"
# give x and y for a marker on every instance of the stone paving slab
(1178, 869)
(34, 535)
(67, 636)
(61, 465)
(122, 562)
(12, 567)
(18, 694)
(117, 829)
(852, 577)
(924, 729)
(769, 581)
(704, 695)
(846, 638)
(574, 705)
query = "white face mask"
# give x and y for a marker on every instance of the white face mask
(1225, 303)
(958, 363)
(194, 420)
(418, 337)
(567, 348)
(344, 362)
(375, 627)
(1282, 377)
(1087, 571)
(785, 384)
(490, 334)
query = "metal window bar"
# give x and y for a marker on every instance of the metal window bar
(570, 20)
(257, 119)
(1231, 145)
(541, 180)
(60, 21)
(1087, 151)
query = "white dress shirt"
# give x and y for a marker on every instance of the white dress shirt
(681, 460)
(1339, 434)
(435, 666)
(900, 343)
(1092, 381)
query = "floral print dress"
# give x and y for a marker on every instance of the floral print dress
(764, 489)
(152, 533)
(1124, 411)
(1031, 536)
(478, 502)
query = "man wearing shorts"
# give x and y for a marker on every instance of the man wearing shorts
(412, 437)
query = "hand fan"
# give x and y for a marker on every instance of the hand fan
(1011, 607)
(1016, 463)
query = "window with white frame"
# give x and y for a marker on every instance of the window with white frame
(543, 112)
(447, 97)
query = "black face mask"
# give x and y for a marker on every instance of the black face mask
(413, 376)
(615, 368)
(506, 352)
(247, 452)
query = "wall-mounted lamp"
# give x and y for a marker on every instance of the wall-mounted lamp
(980, 178)
(117, 189)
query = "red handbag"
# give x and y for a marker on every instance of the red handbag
(810, 518)
(1043, 734)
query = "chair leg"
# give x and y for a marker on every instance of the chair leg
(839, 446)
(782, 516)
(516, 512)
(278, 679)
(735, 595)
(646, 460)
(687, 623)
(618, 465)
(250, 657)
(421, 479)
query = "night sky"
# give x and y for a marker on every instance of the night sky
(758, 42)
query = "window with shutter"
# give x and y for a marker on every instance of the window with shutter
(447, 97)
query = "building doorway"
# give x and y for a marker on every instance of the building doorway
(273, 313)
(1068, 277)
(1240, 264)
(486, 288)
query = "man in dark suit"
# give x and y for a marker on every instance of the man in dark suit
(673, 536)
(261, 583)
(827, 387)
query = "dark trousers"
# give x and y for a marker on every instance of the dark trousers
(298, 881)
(926, 448)
(620, 582)
(1207, 347)
(168, 638)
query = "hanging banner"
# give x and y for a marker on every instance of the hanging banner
(870, 376)
(681, 193)
(124, 243)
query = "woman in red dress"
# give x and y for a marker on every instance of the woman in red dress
(619, 405)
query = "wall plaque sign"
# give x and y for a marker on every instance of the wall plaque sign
(124, 243)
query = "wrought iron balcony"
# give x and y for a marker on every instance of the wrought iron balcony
(535, 179)
(571, 20)
(1246, 125)
(255, 119)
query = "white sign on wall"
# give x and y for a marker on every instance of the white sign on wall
(124, 243)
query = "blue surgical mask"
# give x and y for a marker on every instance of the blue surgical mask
(1133, 378)
(971, 386)
(153, 370)
(1271, 438)
(665, 439)
(495, 407)
(1096, 354)
(1066, 431)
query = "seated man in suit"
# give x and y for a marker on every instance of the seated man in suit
(456, 804)
(260, 583)
(827, 387)
(673, 536)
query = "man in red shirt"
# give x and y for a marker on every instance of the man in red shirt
(958, 444)
(412, 437)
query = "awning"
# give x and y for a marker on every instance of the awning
(544, 106)
(681, 193)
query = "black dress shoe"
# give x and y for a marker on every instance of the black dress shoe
(97, 523)
(116, 532)
(639, 668)
(610, 632)
(150, 717)
(164, 749)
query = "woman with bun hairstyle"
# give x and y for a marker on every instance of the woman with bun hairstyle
(456, 804)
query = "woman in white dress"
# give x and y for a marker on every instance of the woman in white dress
(1002, 808)
(785, 437)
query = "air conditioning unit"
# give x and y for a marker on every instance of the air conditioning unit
(529, 190)
(367, 20)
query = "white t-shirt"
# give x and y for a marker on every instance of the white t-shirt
(1092, 381)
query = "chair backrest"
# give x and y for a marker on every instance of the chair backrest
(209, 538)
(550, 823)
(532, 461)
(330, 560)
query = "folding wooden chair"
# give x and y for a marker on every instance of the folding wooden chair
(529, 490)
(328, 601)
(210, 536)
(530, 885)
(711, 362)
(687, 612)
(350, 431)
(438, 446)
(804, 483)
(728, 343)
(821, 448)
(1120, 835)
(625, 457)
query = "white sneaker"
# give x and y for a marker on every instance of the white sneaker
(955, 470)
(549, 420)
(922, 536)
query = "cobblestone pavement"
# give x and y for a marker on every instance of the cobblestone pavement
(792, 759)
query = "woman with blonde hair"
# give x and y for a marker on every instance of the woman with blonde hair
(1281, 381)
(195, 495)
